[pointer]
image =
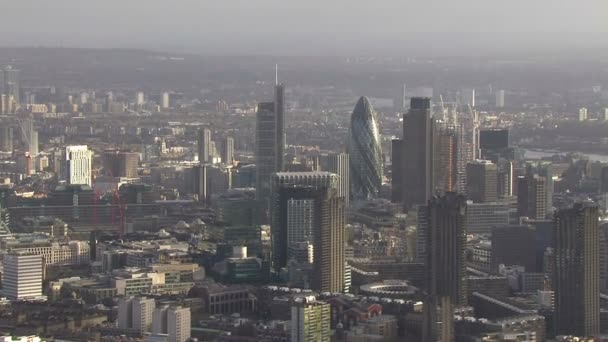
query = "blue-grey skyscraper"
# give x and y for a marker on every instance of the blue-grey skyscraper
(365, 151)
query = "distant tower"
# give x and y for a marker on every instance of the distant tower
(6, 138)
(164, 100)
(228, 150)
(500, 99)
(397, 170)
(467, 97)
(204, 145)
(583, 114)
(78, 165)
(339, 164)
(11, 83)
(139, 99)
(576, 271)
(418, 153)
(446, 251)
(365, 151)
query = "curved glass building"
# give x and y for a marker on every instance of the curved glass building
(365, 151)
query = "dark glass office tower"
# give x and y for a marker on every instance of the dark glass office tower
(365, 151)
(418, 159)
(576, 270)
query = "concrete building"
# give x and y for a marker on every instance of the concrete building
(310, 320)
(446, 253)
(135, 313)
(22, 276)
(78, 165)
(583, 114)
(174, 321)
(500, 99)
(576, 271)
(483, 217)
(339, 164)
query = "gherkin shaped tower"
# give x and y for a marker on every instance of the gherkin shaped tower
(365, 151)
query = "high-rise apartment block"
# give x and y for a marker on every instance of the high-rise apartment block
(135, 313)
(174, 321)
(204, 145)
(120, 163)
(339, 164)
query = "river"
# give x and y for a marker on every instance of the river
(537, 154)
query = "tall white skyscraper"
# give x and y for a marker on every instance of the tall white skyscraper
(172, 320)
(136, 314)
(338, 163)
(164, 100)
(78, 164)
(22, 276)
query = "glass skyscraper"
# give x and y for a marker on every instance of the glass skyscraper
(365, 151)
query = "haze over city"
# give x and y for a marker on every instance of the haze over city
(303, 171)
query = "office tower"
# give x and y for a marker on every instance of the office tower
(582, 114)
(465, 152)
(310, 320)
(404, 97)
(532, 197)
(481, 181)
(417, 141)
(172, 320)
(22, 276)
(445, 154)
(446, 243)
(11, 84)
(467, 97)
(605, 114)
(535, 190)
(268, 150)
(504, 179)
(135, 313)
(164, 100)
(500, 99)
(576, 270)
(279, 110)
(120, 163)
(204, 145)
(295, 193)
(6, 138)
(397, 170)
(228, 150)
(3, 103)
(339, 164)
(483, 217)
(78, 164)
(365, 151)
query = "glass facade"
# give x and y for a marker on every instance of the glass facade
(365, 151)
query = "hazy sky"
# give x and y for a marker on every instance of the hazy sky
(284, 26)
